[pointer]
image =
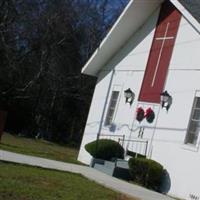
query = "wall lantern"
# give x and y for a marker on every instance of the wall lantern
(129, 95)
(165, 100)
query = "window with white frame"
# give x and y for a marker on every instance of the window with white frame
(111, 107)
(194, 124)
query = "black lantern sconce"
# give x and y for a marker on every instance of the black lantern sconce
(129, 96)
(165, 100)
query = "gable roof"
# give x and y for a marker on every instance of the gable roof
(193, 6)
(129, 22)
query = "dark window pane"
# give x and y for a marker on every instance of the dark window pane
(111, 113)
(196, 115)
(113, 103)
(197, 102)
(111, 108)
(191, 139)
(115, 94)
(194, 125)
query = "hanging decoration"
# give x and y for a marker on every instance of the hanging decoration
(149, 115)
(140, 114)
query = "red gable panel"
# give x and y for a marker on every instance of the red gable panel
(160, 53)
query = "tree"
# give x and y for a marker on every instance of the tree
(43, 45)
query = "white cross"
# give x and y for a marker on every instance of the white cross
(164, 38)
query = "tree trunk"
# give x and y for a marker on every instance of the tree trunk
(3, 115)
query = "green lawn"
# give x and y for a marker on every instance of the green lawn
(19, 182)
(39, 148)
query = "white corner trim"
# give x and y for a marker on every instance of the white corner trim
(190, 147)
(186, 14)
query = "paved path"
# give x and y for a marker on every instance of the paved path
(90, 173)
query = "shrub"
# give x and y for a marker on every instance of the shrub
(146, 172)
(105, 149)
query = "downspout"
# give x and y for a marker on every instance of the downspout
(104, 108)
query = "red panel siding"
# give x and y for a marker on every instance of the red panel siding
(160, 53)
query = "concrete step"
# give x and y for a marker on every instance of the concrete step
(118, 168)
(109, 164)
(96, 161)
(104, 169)
(122, 164)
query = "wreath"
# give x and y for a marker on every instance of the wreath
(150, 115)
(140, 114)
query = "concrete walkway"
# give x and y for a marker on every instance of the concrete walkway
(90, 173)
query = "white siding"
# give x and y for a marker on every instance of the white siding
(181, 161)
(129, 65)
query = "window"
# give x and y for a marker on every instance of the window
(111, 108)
(194, 124)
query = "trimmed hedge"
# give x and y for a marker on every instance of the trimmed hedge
(146, 172)
(105, 149)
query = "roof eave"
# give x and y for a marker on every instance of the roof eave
(187, 15)
(116, 37)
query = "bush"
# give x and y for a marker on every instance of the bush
(146, 172)
(105, 149)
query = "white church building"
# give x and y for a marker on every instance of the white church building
(147, 94)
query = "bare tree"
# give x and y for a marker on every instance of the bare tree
(43, 45)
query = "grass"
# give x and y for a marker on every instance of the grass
(38, 148)
(19, 182)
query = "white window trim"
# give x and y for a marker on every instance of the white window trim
(118, 88)
(189, 146)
